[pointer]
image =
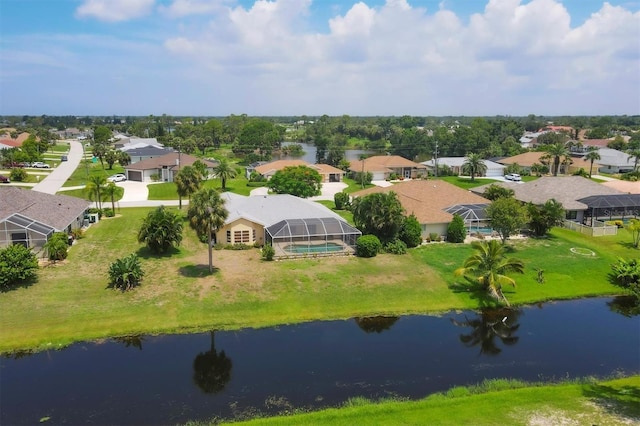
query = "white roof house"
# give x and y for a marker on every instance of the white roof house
(614, 161)
(455, 164)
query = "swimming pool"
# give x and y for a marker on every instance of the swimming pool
(481, 230)
(313, 248)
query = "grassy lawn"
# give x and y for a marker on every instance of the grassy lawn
(168, 190)
(86, 167)
(466, 183)
(70, 301)
(345, 214)
(353, 186)
(87, 195)
(495, 402)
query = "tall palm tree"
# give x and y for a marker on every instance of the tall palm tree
(224, 171)
(633, 149)
(556, 151)
(188, 181)
(110, 191)
(95, 185)
(592, 156)
(206, 215)
(488, 267)
(474, 165)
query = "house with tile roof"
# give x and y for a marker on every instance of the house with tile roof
(164, 167)
(383, 166)
(528, 159)
(328, 173)
(31, 217)
(429, 201)
(455, 165)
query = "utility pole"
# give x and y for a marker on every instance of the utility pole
(436, 158)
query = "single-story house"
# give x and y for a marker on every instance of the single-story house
(290, 224)
(614, 161)
(429, 201)
(527, 159)
(328, 173)
(164, 168)
(126, 144)
(456, 163)
(31, 217)
(252, 168)
(382, 166)
(570, 191)
(146, 153)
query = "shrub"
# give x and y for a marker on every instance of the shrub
(125, 273)
(341, 199)
(368, 246)
(268, 252)
(395, 247)
(631, 176)
(18, 175)
(411, 232)
(17, 264)
(626, 274)
(456, 232)
(155, 177)
(57, 246)
(108, 212)
(433, 236)
(237, 246)
(363, 178)
(77, 233)
(161, 230)
(581, 172)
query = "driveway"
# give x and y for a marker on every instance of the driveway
(327, 191)
(133, 191)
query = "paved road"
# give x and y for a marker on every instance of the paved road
(52, 183)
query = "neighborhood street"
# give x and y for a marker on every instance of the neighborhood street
(52, 183)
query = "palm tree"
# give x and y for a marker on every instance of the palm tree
(161, 230)
(224, 171)
(188, 181)
(556, 151)
(633, 150)
(206, 215)
(110, 191)
(474, 165)
(95, 185)
(592, 156)
(488, 267)
(379, 214)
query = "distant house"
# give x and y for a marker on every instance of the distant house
(614, 161)
(383, 166)
(456, 163)
(164, 168)
(146, 153)
(528, 159)
(30, 217)
(433, 202)
(287, 222)
(127, 144)
(328, 173)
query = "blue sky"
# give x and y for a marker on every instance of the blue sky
(295, 57)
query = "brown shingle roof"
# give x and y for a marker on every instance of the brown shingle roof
(383, 163)
(57, 211)
(527, 159)
(168, 160)
(427, 199)
(274, 166)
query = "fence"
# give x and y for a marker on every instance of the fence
(598, 229)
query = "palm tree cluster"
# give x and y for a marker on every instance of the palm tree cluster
(125, 273)
(161, 230)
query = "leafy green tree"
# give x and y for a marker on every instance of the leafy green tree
(111, 156)
(488, 267)
(206, 215)
(456, 231)
(368, 246)
(301, 181)
(634, 229)
(56, 246)
(18, 174)
(411, 231)
(363, 179)
(187, 181)
(543, 218)
(125, 273)
(539, 169)
(95, 186)
(380, 214)
(626, 274)
(507, 216)
(474, 165)
(161, 230)
(124, 158)
(341, 200)
(224, 171)
(592, 156)
(17, 264)
(494, 191)
(101, 135)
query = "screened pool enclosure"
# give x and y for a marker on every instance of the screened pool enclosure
(311, 237)
(474, 216)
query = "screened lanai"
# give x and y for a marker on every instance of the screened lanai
(608, 207)
(19, 229)
(311, 237)
(474, 216)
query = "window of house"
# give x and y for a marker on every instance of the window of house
(229, 237)
(572, 215)
(241, 236)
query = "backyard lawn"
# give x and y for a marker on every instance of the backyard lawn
(87, 168)
(70, 300)
(168, 190)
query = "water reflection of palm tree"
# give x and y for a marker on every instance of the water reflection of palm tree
(212, 370)
(491, 324)
(376, 324)
(130, 341)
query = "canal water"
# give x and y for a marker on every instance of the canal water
(234, 374)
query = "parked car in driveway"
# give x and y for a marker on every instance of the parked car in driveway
(119, 177)
(40, 165)
(513, 177)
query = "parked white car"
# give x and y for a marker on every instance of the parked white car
(513, 176)
(40, 165)
(119, 177)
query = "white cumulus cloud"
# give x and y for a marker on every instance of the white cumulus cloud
(114, 10)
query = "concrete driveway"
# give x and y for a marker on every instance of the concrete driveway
(134, 191)
(328, 190)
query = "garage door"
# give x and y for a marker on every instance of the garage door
(378, 175)
(494, 172)
(135, 175)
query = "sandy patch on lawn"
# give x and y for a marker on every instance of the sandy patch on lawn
(593, 414)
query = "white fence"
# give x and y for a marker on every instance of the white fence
(598, 229)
